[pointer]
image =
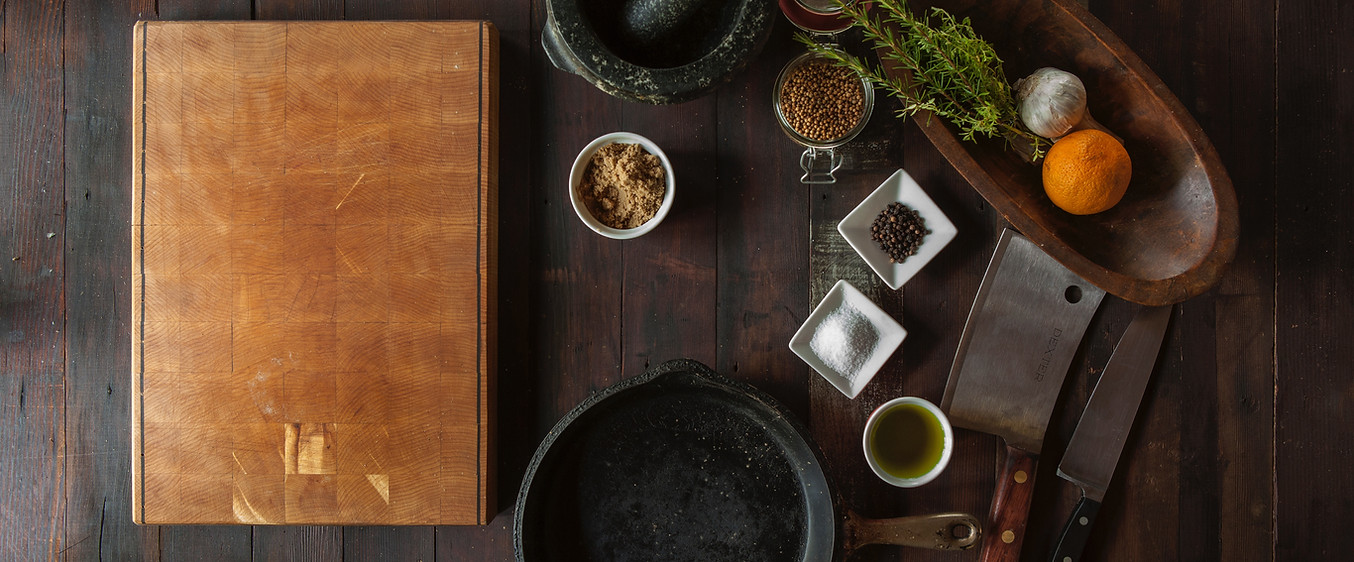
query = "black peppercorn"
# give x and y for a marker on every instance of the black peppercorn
(899, 230)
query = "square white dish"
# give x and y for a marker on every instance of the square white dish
(827, 358)
(855, 228)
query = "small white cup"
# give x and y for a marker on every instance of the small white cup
(581, 164)
(873, 424)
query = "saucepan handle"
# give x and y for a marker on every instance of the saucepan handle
(940, 531)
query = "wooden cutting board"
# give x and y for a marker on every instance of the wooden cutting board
(314, 270)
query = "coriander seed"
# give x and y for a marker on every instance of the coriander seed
(822, 101)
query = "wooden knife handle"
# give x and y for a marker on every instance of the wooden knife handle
(1005, 531)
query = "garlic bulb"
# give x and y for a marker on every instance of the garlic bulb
(1051, 101)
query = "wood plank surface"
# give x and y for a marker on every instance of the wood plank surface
(1314, 394)
(291, 332)
(98, 400)
(32, 298)
(515, 434)
(1208, 430)
(296, 543)
(1237, 452)
(763, 222)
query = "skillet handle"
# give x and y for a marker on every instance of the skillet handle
(939, 531)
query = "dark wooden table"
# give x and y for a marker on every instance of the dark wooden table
(1239, 453)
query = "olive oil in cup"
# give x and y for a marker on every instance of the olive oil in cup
(908, 441)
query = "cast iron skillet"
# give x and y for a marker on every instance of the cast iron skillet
(682, 464)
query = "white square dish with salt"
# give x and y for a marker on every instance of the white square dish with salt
(847, 338)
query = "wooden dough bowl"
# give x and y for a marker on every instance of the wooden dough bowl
(1175, 231)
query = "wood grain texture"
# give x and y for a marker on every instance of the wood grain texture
(672, 277)
(1314, 394)
(297, 543)
(513, 319)
(932, 301)
(311, 542)
(1198, 465)
(191, 10)
(98, 125)
(313, 343)
(418, 10)
(1233, 456)
(512, 20)
(324, 542)
(32, 332)
(389, 543)
(298, 9)
(180, 542)
(1004, 530)
(214, 543)
(763, 212)
(576, 289)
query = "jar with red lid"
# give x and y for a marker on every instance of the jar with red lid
(819, 104)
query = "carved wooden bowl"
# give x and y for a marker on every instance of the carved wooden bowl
(1175, 231)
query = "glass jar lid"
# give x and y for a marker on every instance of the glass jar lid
(816, 16)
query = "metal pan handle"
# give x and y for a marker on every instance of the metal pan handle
(939, 531)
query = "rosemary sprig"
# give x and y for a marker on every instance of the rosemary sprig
(953, 73)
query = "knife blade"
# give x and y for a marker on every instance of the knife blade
(1027, 321)
(1099, 438)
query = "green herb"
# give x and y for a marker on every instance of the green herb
(953, 73)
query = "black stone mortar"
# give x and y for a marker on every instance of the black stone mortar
(655, 51)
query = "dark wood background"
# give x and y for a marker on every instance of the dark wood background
(1240, 450)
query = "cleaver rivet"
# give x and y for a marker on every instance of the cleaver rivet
(1008, 537)
(1021, 477)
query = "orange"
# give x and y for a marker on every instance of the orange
(1086, 172)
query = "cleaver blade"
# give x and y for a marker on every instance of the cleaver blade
(1025, 326)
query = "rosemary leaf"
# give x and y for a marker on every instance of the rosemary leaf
(954, 74)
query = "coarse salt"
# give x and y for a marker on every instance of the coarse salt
(845, 340)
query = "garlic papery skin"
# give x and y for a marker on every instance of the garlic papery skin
(1051, 102)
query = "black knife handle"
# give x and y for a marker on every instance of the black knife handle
(1077, 530)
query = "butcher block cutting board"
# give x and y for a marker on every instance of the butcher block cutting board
(314, 259)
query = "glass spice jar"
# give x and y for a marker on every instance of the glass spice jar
(821, 106)
(816, 16)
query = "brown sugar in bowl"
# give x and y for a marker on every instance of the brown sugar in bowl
(580, 166)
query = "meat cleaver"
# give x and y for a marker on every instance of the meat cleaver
(1025, 326)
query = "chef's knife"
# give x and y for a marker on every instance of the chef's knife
(1094, 449)
(1025, 326)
